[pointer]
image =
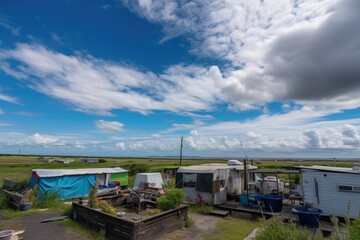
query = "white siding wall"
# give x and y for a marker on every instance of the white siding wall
(331, 200)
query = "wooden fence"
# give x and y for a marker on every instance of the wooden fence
(122, 228)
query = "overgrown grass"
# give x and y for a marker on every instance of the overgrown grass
(48, 199)
(232, 228)
(201, 208)
(11, 213)
(83, 232)
(189, 222)
(278, 230)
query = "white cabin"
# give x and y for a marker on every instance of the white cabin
(332, 189)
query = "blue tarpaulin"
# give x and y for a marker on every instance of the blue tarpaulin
(73, 186)
(70, 183)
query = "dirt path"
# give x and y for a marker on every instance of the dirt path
(35, 230)
(203, 225)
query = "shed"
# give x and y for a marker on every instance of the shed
(89, 160)
(211, 183)
(75, 183)
(334, 190)
(154, 180)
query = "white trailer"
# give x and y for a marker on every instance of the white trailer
(335, 190)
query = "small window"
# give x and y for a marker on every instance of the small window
(345, 188)
(349, 188)
(189, 180)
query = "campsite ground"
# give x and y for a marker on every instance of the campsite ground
(205, 227)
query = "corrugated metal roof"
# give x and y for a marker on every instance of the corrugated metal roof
(330, 169)
(82, 171)
(211, 168)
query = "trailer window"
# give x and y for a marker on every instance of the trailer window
(349, 188)
(189, 180)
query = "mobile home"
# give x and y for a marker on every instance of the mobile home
(334, 190)
(211, 183)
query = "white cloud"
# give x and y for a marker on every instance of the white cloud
(6, 98)
(7, 24)
(120, 146)
(43, 140)
(107, 126)
(276, 50)
(193, 133)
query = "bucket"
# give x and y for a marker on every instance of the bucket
(25, 206)
(243, 199)
(308, 216)
(254, 199)
(6, 234)
(273, 203)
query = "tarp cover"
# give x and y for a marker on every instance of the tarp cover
(155, 179)
(65, 172)
(67, 186)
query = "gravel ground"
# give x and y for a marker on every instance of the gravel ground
(204, 225)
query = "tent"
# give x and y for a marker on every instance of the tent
(154, 179)
(75, 183)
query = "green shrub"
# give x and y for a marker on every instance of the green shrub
(102, 160)
(106, 207)
(137, 168)
(4, 204)
(277, 230)
(353, 228)
(172, 199)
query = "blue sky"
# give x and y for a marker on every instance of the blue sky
(129, 78)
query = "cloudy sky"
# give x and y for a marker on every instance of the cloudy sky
(262, 78)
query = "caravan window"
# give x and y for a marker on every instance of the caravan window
(348, 188)
(189, 180)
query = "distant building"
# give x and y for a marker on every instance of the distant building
(59, 160)
(89, 160)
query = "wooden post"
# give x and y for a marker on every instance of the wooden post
(181, 147)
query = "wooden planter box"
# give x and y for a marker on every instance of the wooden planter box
(122, 228)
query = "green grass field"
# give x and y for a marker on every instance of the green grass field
(19, 167)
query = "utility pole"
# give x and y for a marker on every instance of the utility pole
(181, 147)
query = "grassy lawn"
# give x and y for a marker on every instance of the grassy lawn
(232, 228)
